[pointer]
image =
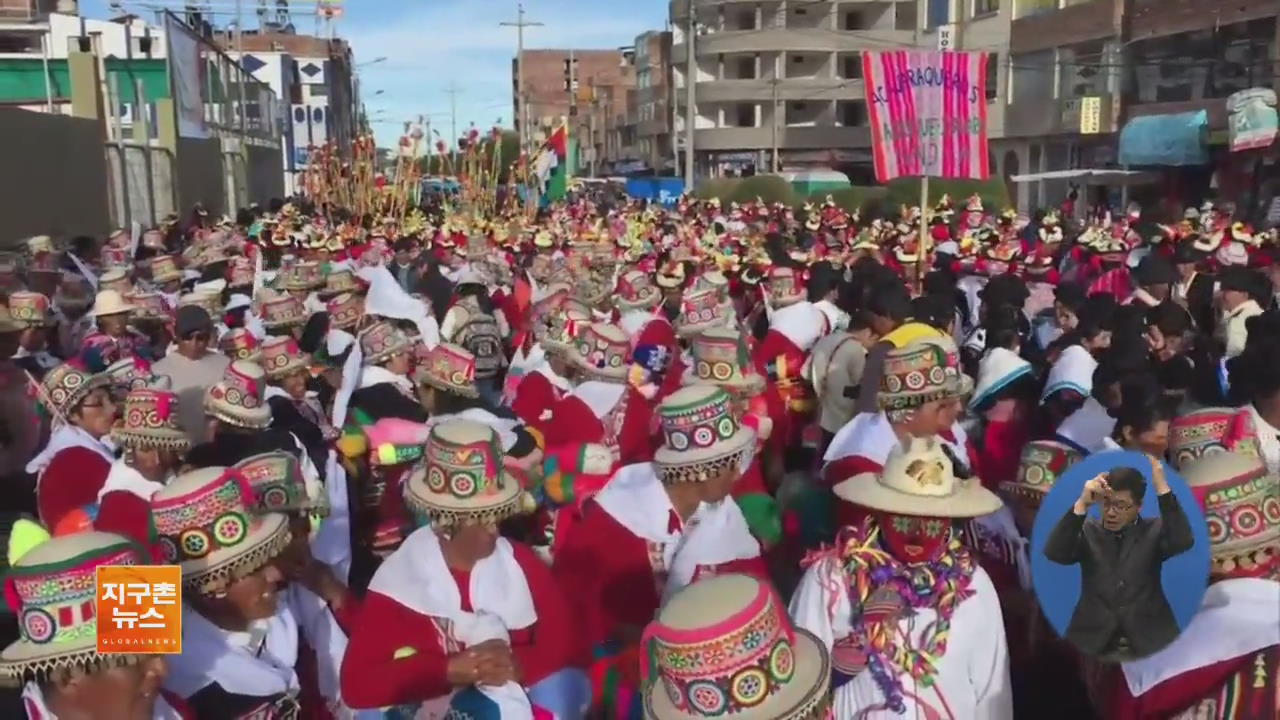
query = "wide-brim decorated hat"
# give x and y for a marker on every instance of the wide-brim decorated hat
(1041, 464)
(381, 340)
(301, 276)
(921, 372)
(110, 302)
(462, 479)
(1241, 502)
(720, 357)
(66, 386)
(725, 647)
(345, 310)
(1212, 430)
(701, 310)
(919, 480)
(602, 351)
(564, 326)
(148, 306)
(281, 357)
(701, 435)
(786, 287)
(449, 368)
(29, 309)
(150, 420)
(240, 344)
(283, 311)
(51, 587)
(208, 527)
(279, 486)
(997, 370)
(117, 280)
(338, 282)
(211, 302)
(239, 397)
(164, 268)
(636, 292)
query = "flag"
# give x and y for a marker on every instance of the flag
(551, 165)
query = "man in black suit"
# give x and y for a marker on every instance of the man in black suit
(1194, 289)
(1122, 612)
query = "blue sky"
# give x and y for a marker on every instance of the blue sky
(430, 43)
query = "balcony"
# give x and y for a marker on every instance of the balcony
(790, 40)
(1081, 22)
(1064, 116)
(789, 138)
(821, 89)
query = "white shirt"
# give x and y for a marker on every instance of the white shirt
(973, 675)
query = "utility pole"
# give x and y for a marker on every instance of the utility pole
(690, 112)
(453, 120)
(521, 96)
(774, 124)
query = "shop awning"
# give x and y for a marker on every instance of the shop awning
(1177, 139)
(1104, 176)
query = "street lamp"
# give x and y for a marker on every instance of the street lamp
(374, 61)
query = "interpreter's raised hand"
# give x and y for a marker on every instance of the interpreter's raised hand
(1095, 490)
(1158, 478)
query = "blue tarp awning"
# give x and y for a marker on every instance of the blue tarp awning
(1177, 139)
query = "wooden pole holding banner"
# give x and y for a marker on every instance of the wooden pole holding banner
(922, 245)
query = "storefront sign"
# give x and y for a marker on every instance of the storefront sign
(1090, 115)
(1252, 118)
(928, 113)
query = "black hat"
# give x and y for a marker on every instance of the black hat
(1004, 290)
(1155, 270)
(190, 319)
(1236, 278)
(1070, 294)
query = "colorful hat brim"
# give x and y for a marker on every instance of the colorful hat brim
(163, 438)
(257, 419)
(971, 500)
(267, 537)
(294, 365)
(506, 503)
(466, 391)
(750, 384)
(168, 277)
(24, 659)
(693, 465)
(404, 345)
(806, 696)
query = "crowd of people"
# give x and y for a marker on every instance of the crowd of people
(614, 460)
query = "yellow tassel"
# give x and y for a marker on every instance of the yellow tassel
(24, 537)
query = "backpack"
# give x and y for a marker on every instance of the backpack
(480, 336)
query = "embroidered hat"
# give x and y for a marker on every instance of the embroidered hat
(238, 398)
(134, 373)
(278, 485)
(720, 357)
(564, 326)
(462, 480)
(725, 647)
(1212, 430)
(382, 340)
(338, 282)
(701, 435)
(117, 280)
(148, 306)
(282, 311)
(207, 301)
(52, 589)
(922, 372)
(281, 357)
(40, 244)
(150, 420)
(300, 276)
(1241, 502)
(997, 370)
(64, 387)
(345, 310)
(573, 472)
(207, 525)
(919, 480)
(450, 368)
(110, 302)
(636, 291)
(164, 268)
(1041, 464)
(701, 310)
(240, 344)
(602, 352)
(29, 309)
(785, 287)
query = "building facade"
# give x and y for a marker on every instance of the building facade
(778, 85)
(650, 114)
(600, 81)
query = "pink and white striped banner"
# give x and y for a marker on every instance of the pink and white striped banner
(928, 113)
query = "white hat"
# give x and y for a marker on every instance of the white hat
(998, 369)
(110, 302)
(919, 480)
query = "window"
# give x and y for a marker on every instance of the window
(745, 115)
(801, 11)
(746, 68)
(851, 66)
(993, 77)
(939, 13)
(904, 17)
(853, 20)
(1027, 8)
(746, 20)
(797, 58)
(852, 113)
(985, 7)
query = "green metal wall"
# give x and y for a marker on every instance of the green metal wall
(22, 80)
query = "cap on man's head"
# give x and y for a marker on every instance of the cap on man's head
(191, 319)
(1239, 279)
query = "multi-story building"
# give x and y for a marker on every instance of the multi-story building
(781, 78)
(1096, 83)
(600, 81)
(650, 113)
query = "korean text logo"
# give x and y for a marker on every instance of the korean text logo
(139, 609)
